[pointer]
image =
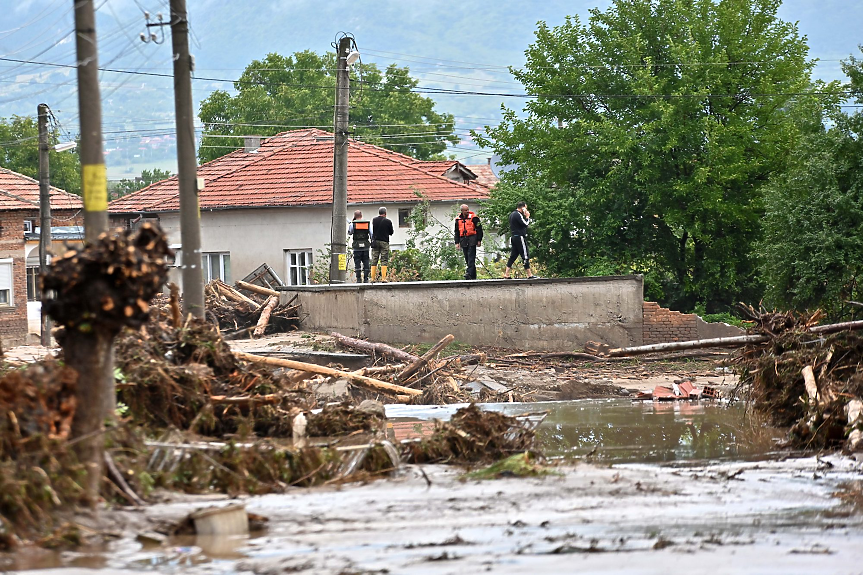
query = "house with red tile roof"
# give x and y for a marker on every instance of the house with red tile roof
(272, 203)
(19, 250)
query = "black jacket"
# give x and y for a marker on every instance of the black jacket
(382, 229)
(518, 224)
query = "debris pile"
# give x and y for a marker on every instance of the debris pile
(807, 379)
(475, 436)
(258, 313)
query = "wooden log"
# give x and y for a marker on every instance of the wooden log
(380, 349)
(265, 315)
(233, 294)
(174, 302)
(118, 479)
(726, 341)
(811, 385)
(257, 289)
(368, 382)
(427, 356)
(246, 400)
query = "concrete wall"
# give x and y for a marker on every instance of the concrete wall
(547, 315)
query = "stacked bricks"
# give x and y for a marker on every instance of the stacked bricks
(662, 325)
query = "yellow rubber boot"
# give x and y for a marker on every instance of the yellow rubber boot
(374, 275)
(384, 274)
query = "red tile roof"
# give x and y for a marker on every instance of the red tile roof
(484, 175)
(296, 169)
(20, 192)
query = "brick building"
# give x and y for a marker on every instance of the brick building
(19, 249)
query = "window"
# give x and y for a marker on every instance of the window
(33, 291)
(6, 281)
(28, 226)
(299, 264)
(404, 218)
(217, 266)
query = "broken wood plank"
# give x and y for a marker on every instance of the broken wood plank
(426, 357)
(246, 400)
(257, 289)
(380, 349)
(361, 380)
(265, 315)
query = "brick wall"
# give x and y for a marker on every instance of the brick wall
(13, 318)
(662, 325)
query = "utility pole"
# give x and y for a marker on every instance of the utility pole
(338, 242)
(44, 211)
(187, 165)
(91, 353)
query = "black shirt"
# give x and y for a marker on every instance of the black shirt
(382, 229)
(518, 224)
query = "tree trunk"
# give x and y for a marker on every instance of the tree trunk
(257, 289)
(380, 349)
(265, 315)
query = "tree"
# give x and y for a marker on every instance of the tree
(148, 177)
(652, 134)
(19, 152)
(281, 93)
(812, 252)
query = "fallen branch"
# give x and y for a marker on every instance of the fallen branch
(422, 361)
(246, 400)
(117, 478)
(368, 382)
(380, 349)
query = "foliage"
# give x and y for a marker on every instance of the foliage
(126, 186)
(812, 252)
(19, 152)
(654, 129)
(279, 93)
(429, 253)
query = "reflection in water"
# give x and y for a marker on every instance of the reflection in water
(625, 431)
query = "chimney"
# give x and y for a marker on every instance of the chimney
(251, 143)
(489, 161)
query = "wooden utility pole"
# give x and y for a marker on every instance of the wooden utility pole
(338, 242)
(44, 212)
(91, 353)
(187, 165)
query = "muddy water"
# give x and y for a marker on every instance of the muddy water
(680, 487)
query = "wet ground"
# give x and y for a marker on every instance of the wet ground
(641, 487)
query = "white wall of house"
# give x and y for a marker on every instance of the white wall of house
(266, 235)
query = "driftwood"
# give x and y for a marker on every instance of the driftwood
(257, 289)
(118, 479)
(422, 361)
(265, 315)
(725, 341)
(368, 382)
(233, 294)
(380, 349)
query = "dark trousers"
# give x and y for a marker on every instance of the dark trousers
(361, 265)
(469, 252)
(519, 248)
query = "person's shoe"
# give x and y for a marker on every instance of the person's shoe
(534, 277)
(374, 273)
(384, 274)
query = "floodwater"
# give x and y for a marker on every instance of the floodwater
(643, 487)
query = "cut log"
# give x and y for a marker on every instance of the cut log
(422, 361)
(367, 382)
(233, 294)
(811, 385)
(257, 289)
(265, 315)
(176, 316)
(381, 349)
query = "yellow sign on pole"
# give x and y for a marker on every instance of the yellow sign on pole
(343, 262)
(94, 182)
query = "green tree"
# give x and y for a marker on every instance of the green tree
(812, 253)
(19, 152)
(278, 92)
(148, 177)
(654, 129)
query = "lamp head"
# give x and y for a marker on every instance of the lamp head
(352, 57)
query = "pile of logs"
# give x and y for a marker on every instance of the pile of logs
(253, 315)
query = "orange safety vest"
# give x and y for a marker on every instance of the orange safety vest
(465, 226)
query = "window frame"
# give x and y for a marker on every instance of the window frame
(11, 289)
(309, 255)
(404, 220)
(224, 270)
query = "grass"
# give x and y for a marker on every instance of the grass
(518, 465)
(455, 348)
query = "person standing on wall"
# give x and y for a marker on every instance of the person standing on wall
(361, 232)
(519, 220)
(468, 235)
(382, 229)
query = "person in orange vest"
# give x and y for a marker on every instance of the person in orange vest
(360, 229)
(468, 235)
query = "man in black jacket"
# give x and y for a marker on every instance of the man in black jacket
(382, 229)
(518, 222)
(468, 235)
